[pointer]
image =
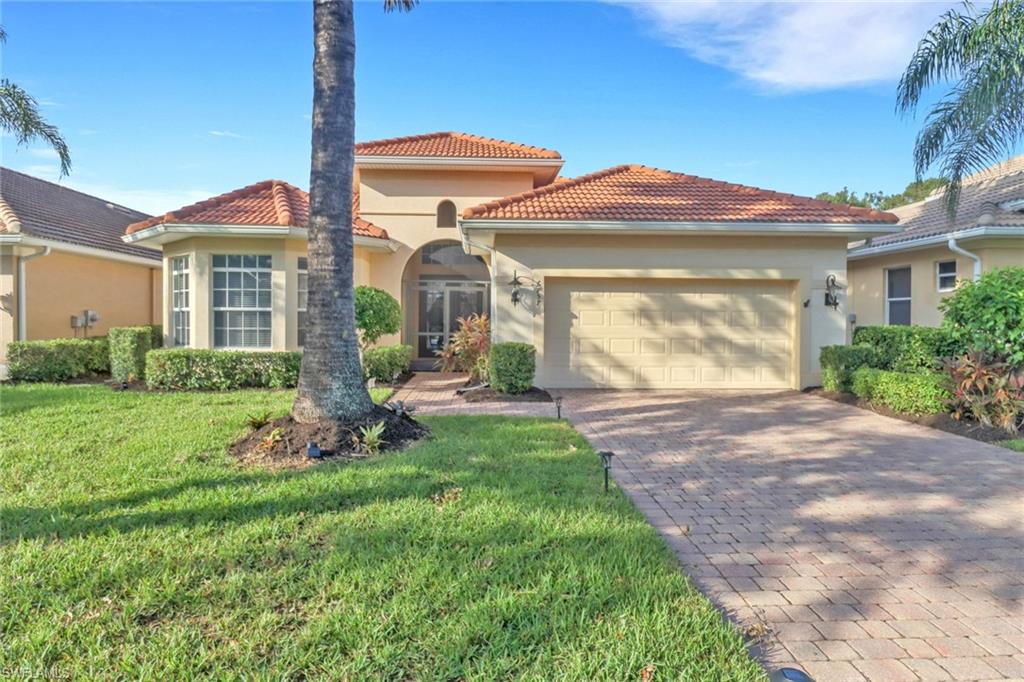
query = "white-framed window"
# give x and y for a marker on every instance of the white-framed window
(945, 275)
(242, 300)
(303, 289)
(181, 311)
(897, 296)
(446, 214)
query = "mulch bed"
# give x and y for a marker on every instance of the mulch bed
(282, 442)
(489, 395)
(942, 422)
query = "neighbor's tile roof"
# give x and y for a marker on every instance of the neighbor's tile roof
(452, 144)
(981, 193)
(46, 210)
(638, 193)
(267, 203)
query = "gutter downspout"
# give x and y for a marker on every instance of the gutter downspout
(956, 248)
(22, 313)
(467, 242)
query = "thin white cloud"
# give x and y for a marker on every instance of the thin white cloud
(46, 102)
(224, 133)
(806, 45)
(43, 153)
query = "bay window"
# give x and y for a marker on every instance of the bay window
(242, 300)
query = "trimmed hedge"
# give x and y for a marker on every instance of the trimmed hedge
(221, 370)
(128, 348)
(839, 362)
(57, 359)
(386, 362)
(908, 348)
(914, 392)
(512, 366)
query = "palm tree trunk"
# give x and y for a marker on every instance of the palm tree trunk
(331, 380)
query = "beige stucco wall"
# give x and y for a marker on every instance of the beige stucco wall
(284, 253)
(867, 277)
(404, 202)
(803, 261)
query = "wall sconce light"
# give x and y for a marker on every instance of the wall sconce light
(832, 288)
(520, 285)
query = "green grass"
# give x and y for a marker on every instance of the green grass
(131, 546)
(1016, 444)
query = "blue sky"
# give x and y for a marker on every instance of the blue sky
(168, 103)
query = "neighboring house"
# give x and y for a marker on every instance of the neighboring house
(629, 277)
(61, 254)
(901, 278)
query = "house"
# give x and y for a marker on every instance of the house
(61, 255)
(901, 278)
(628, 277)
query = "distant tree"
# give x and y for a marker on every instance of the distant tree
(915, 191)
(19, 116)
(980, 121)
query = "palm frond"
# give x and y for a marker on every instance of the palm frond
(981, 119)
(400, 5)
(19, 116)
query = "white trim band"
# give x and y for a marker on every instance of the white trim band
(184, 230)
(554, 226)
(935, 240)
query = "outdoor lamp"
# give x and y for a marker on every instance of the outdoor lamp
(558, 405)
(313, 450)
(790, 675)
(832, 288)
(521, 283)
(606, 460)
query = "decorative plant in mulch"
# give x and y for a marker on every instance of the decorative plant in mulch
(284, 442)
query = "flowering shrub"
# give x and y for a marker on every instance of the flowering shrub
(987, 391)
(468, 349)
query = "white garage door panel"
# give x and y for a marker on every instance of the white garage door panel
(668, 334)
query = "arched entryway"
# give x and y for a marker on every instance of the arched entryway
(440, 284)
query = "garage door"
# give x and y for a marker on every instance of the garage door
(668, 334)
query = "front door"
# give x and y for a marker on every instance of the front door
(440, 304)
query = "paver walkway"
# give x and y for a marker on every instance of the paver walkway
(865, 548)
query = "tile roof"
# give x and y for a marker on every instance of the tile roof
(981, 194)
(634, 193)
(267, 203)
(452, 144)
(46, 210)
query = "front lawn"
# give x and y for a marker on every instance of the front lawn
(132, 546)
(1017, 444)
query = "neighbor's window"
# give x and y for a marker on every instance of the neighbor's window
(241, 301)
(446, 214)
(303, 289)
(180, 311)
(897, 296)
(946, 273)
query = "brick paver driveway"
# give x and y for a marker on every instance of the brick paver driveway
(867, 547)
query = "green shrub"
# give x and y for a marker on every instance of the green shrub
(57, 359)
(839, 362)
(864, 381)
(128, 348)
(156, 336)
(908, 348)
(377, 313)
(221, 370)
(913, 392)
(386, 362)
(988, 315)
(512, 366)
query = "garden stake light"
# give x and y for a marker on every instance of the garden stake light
(558, 405)
(606, 460)
(790, 675)
(313, 451)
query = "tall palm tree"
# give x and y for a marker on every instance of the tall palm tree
(19, 116)
(331, 379)
(981, 119)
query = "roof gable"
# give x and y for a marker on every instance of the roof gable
(633, 193)
(453, 145)
(270, 203)
(46, 210)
